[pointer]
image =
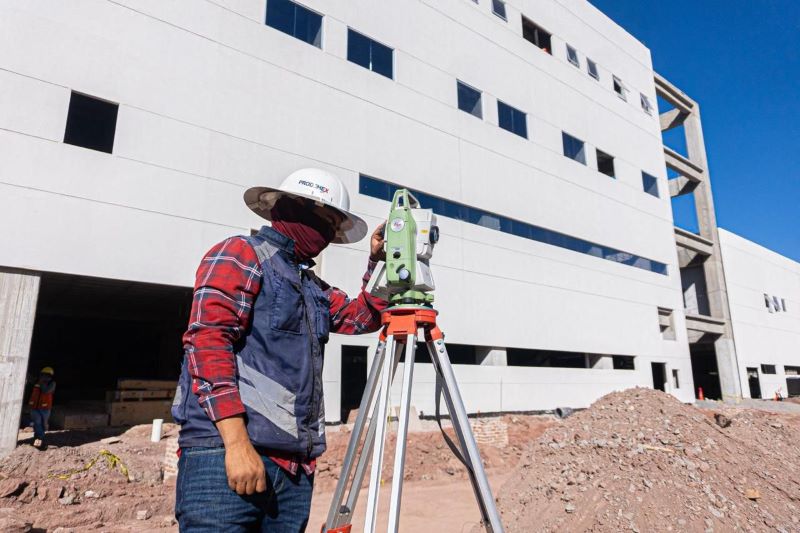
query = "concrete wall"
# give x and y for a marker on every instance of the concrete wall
(762, 336)
(213, 101)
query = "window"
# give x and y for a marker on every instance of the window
(646, 105)
(624, 362)
(536, 35)
(768, 369)
(469, 99)
(783, 304)
(591, 66)
(791, 370)
(385, 191)
(370, 54)
(650, 184)
(295, 20)
(573, 148)
(605, 163)
(666, 324)
(499, 8)
(91, 123)
(512, 119)
(572, 56)
(675, 381)
(620, 89)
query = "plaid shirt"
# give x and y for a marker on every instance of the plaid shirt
(228, 281)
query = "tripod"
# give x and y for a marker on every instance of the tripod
(401, 325)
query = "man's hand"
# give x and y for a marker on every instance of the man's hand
(376, 251)
(243, 464)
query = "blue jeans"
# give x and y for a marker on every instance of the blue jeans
(204, 502)
(39, 418)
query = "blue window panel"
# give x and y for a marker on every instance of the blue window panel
(469, 100)
(499, 8)
(446, 208)
(650, 184)
(574, 148)
(370, 54)
(295, 20)
(512, 119)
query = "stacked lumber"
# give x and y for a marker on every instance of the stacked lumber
(139, 401)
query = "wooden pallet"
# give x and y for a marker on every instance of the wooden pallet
(139, 395)
(146, 384)
(130, 413)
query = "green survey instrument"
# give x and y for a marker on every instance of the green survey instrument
(405, 277)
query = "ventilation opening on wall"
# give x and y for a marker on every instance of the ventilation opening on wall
(536, 35)
(563, 359)
(91, 123)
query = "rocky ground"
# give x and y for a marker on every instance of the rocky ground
(641, 461)
(637, 460)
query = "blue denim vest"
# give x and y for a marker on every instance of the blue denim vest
(278, 361)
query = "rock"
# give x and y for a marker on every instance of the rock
(569, 508)
(28, 494)
(90, 494)
(14, 525)
(722, 420)
(110, 440)
(776, 425)
(752, 494)
(63, 530)
(69, 499)
(168, 521)
(143, 514)
(648, 483)
(11, 486)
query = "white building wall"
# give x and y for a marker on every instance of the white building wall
(213, 101)
(762, 336)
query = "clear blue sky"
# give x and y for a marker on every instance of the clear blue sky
(740, 60)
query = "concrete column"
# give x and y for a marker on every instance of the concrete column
(716, 289)
(19, 291)
(491, 356)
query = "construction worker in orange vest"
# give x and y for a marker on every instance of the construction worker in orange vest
(41, 402)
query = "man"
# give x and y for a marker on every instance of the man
(40, 403)
(250, 400)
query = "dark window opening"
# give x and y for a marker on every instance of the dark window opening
(605, 163)
(385, 191)
(753, 383)
(354, 378)
(512, 119)
(536, 35)
(469, 99)
(499, 8)
(573, 148)
(791, 370)
(459, 354)
(295, 20)
(650, 184)
(619, 88)
(370, 54)
(646, 105)
(768, 369)
(91, 123)
(624, 362)
(675, 381)
(591, 66)
(572, 56)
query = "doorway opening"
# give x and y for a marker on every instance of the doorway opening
(659, 376)
(754, 383)
(354, 378)
(705, 371)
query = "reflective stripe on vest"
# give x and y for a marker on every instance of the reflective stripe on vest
(39, 399)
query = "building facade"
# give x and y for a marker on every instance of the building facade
(130, 129)
(764, 291)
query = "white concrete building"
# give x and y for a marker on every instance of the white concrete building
(764, 293)
(557, 272)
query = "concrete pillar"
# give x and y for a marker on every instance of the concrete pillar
(716, 289)
(19, 291)
(491, 356)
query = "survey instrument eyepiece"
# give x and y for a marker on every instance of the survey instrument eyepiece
(410, 234)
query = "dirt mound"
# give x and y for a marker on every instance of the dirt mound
(82, 482)
(639, 460)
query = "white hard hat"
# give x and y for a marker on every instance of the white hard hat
(325, 188)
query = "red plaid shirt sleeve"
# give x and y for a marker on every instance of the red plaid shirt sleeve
(227, 282)
(361, 315)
